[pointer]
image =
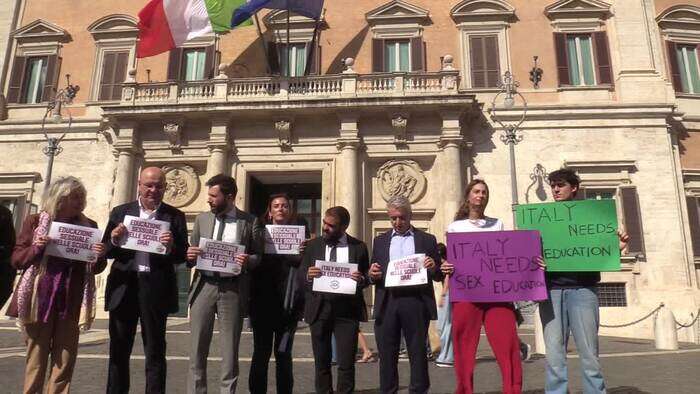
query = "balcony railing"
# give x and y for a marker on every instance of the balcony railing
(346, 85)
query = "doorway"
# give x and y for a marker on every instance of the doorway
(305, 195)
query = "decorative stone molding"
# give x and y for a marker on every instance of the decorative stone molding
(457, 140)
(173, 130)
(284, 132)
(578, 15)
(399, 123)
(401, 178)
(181, 185)
(603, 172)
(482, 10)
(680, 23)
(691, 182)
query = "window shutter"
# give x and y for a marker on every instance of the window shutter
(109, 64)
(673, 65)
(273, 58)
(315, 58)
(633, 221)
(478, 62)
(210, 62)
(602, 57)
(417, 63)
(562, 59)
(14, 91)
(491, 56)
(694, 220)
(378, 56)
(120, 74)
(175, 64)
(53, 68)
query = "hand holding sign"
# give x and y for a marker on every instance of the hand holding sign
(577, 235)
(74, 242)
(219, 256)
(496, 266)
(146, 235)
(408, 271)
(335, 277)
(281, 239)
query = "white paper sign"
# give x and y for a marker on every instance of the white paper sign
(219, 256)
(144, 234)
(407, 271)
(283, 239)
(73, 242)
(335, 278)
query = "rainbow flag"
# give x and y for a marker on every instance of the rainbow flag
(167, 24)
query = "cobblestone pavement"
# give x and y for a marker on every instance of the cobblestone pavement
(629, 365)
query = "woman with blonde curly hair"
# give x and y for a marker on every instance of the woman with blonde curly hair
(55, 297)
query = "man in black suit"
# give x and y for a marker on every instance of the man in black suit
(328, 314)
(403, 309)
(142, 286)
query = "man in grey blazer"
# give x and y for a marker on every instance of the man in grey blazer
(217, 293)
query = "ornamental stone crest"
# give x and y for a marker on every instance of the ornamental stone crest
(173, 130)
(181, 185)
(399, 123)
(284, 132)
(401, 178)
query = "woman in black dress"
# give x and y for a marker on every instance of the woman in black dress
(277, 302)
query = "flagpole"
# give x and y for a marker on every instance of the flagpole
(289, 52)
(312, 47)
(262, 42)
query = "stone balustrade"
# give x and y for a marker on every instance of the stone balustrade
(346, 85)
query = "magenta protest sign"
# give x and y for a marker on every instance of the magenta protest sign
(496, 266)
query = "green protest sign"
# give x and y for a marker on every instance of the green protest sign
(576, 235)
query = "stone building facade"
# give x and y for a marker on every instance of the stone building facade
(396, 102)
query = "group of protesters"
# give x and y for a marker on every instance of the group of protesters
(54, 297)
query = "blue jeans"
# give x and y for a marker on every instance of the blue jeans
(445, 327)
(571, 310)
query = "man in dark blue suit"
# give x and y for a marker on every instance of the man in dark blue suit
(403, 309)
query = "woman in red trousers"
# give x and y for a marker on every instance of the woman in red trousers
(498, 318)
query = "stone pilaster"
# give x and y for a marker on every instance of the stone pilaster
(218, 146)
(347, 174)
(451, 143)
(126, 150)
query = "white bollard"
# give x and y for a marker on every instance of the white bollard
(540, 347)
(665, 334)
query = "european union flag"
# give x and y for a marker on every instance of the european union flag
(308, 8)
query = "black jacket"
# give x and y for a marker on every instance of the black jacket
(161, 282)
(424, 243)
(316, 250)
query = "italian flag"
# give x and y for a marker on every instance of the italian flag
(167, 24)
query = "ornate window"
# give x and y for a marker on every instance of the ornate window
(115, 44)
(691, 179)
(397, 37)
(37, 62)
(196, 60)
(581, 42)
(483, 26)
(301, 54)
(679, 28)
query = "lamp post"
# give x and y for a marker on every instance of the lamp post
(54, 109)
(510, 136)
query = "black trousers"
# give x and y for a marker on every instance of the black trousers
(270, 331)
(122, 330)
(407, 314)
(345, 329)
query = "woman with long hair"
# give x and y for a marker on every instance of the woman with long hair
(55, 297)
(498, 318)
(276, 303)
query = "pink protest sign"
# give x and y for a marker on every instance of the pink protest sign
(496, 266)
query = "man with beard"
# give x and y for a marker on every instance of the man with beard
(335, 314)
(142, 286)
(218, 293)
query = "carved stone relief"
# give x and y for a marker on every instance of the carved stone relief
(401, 178)
(173, 130)
(399, 123)
(284, 130)
(181, 185)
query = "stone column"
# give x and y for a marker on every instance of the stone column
(347, 179)
(452, 176)
(218, 146)
(126, 150)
